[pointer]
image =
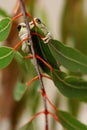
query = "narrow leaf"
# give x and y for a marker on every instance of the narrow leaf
(6, 56)
(43, 51)
(48, 55)
(25, 65)
(21, 61)
(5, 26)
(71, 87)
(73, 106)
(19, 91)
(69, 122)
(28, 126)
(68, 57)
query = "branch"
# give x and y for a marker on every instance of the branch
(35, 60)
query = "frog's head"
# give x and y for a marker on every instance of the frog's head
(22, 29)
(37, 22)
(22, 26)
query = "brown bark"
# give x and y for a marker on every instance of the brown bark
(9, 76)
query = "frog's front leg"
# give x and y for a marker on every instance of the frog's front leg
(26, 47)
(40, 25)
(47, 38)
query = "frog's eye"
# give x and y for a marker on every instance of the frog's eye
(38, 21)
(19, 28)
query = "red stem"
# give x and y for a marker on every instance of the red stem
(17, 16)
(34, 58)
(36, 115)
(31, 17)
(38, 57)
(21, 14)
(53, 106)
(39, 35)
(54, 116)
(48, 65)
(46, 113)
(44, 94)
(36, 78)
(32, 80)
(16, 7)
(18, 45)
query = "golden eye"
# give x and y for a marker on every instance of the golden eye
(38, 21)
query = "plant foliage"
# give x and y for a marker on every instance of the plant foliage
(5, 26)
(55, 54)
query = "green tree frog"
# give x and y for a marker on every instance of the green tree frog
(23, 33)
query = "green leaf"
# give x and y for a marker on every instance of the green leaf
(28, 126)
(21, 61)
(71, 87)
(3, 13)
(48, 55)
(19, 91)
(69, 122)
(68, 57)
(73, 106)
(26, 67)
(6, 56)
(5, 26)
(44, 52)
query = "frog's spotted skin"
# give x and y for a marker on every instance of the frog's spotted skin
(23, 33)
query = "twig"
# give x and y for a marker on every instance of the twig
(35, 60)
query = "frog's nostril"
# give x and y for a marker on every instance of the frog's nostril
(19, 28)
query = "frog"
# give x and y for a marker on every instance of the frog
(22, 30)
